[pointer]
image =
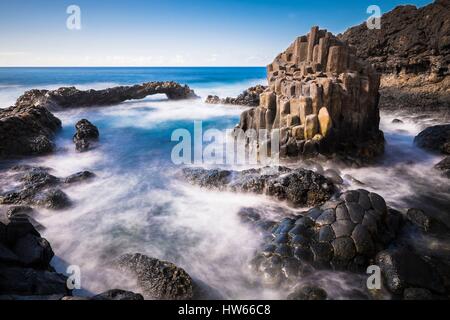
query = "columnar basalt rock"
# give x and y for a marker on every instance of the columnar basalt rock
(318, 86)
(342, 234)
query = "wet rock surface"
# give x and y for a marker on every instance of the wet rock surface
(299, 187)
(435, 138)
(86, 136)
(343, 234)
(158, 279)
(249, 97)
(37, 187)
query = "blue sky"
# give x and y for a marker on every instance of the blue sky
(168, 32)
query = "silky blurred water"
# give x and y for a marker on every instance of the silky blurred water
(137, 203)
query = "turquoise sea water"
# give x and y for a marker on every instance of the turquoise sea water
(139, 203)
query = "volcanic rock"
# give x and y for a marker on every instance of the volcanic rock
(86, 135)
(339, 235)
(319, 83)
(158, 279)
(435, 138)
(298, 187)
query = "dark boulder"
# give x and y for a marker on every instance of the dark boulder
(86, 136)
(417, 294)
(308, 293)
(33, 251)
(117, 294)
(158, 279)
(27, 130)
(426, 223)
(444, 167)
(27, 281)
(435, 138)
(402, 268)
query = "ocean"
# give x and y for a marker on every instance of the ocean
(139, 202)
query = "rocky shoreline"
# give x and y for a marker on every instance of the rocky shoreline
(324, 96)
(28, 127)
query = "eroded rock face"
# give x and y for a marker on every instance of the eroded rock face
(28, 127)
(342, 234)
(86, 135)
(299, 187)
(410, 40)
(158, 279)
(321, 98)
(249, 97)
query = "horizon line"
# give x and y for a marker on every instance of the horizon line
(262, 66)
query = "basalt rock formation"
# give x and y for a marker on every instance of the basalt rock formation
(249, 97)
(28, 127)
(412, 51)
(321, 98)
(342, 234)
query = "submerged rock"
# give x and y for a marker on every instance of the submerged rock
(87, 134)
(343, 234)
(435, 138)
(299, 187)
(158, 279)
